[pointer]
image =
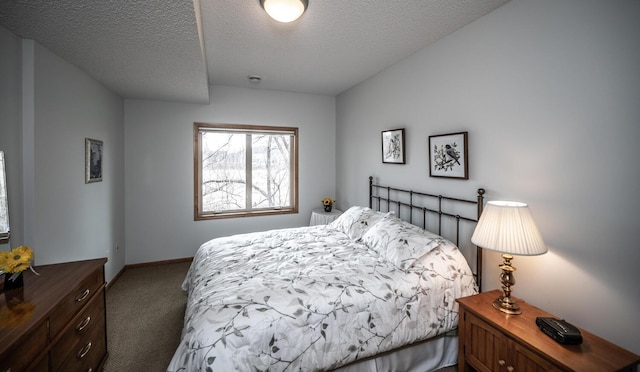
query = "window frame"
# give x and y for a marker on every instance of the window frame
(197, 168)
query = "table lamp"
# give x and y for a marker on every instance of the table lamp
(508, 227)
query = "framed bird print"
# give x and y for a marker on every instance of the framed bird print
(393, 146)
(448, 156)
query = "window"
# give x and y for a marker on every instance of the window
(245, 170)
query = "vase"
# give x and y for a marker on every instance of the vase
(15, 283)
(327, 208)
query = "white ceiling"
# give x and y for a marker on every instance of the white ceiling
(173, 49)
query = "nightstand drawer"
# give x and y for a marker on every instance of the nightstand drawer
(76, 300)
(86, 327)
(484, 346)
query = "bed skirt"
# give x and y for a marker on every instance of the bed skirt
(429, 355)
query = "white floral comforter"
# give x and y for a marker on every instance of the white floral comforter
(311, 298)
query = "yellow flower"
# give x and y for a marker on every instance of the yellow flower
(328, 201)
(18, 260)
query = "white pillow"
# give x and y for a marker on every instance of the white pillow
(399, 242)
(356, 220)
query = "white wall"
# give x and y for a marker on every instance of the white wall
(68, 219)
(549, 93)
(159, 166)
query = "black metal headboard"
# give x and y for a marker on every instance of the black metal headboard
(409, 205)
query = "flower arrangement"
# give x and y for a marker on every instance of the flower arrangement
(328, 201)
(328, 204)
(16, 261)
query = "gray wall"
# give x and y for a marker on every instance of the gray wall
(74, 220)
(159, 166)
(54, 107)
(548, 91)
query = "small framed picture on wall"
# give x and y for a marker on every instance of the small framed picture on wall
(92, 160)
(448, 156)
(393, 146)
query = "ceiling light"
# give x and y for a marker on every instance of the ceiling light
(284, 10)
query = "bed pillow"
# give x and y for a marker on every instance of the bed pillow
(356, 220)
(399, 242)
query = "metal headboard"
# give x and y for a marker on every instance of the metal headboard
(425, 204)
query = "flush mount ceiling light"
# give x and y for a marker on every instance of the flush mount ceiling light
(284, 10)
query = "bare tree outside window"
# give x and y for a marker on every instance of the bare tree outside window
(245, 170)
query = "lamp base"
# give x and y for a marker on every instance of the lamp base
(507, 305)
(504, 303)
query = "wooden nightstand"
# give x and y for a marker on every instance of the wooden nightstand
(494, 341)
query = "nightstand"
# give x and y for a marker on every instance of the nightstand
(490, 340)
(320, 217)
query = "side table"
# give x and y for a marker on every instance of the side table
(320, 217)
(490, 340)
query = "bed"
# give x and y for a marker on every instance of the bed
(369, 291)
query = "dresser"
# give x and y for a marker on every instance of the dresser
(490, 340)
(57, 322)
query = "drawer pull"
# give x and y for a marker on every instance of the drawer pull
(84, 351)
(83, 295)
(83, 324)
(501, 362)
(510, 369)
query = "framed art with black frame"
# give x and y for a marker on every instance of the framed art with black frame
(448, 156)
(393, 146)
(92, 160)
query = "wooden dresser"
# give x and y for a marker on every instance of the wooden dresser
(57, 322)
(491, 340)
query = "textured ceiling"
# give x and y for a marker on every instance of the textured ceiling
(153, 49)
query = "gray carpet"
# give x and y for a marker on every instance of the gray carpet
(145, 312)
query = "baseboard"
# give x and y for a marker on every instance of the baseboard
(156, 263)
(146, 264)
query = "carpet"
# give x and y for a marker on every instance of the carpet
(145, 313)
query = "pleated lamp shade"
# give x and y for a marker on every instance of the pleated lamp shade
(508, 227)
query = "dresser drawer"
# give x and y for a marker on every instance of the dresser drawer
(75, 300)
(20, 356)
(86, 327)
(87, 354)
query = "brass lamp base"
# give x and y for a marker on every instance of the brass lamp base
(504, 303)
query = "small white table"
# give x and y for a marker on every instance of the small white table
(320, 217)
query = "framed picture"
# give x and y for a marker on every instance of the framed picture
(393, 146)
(448, 156)
(92, 160)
